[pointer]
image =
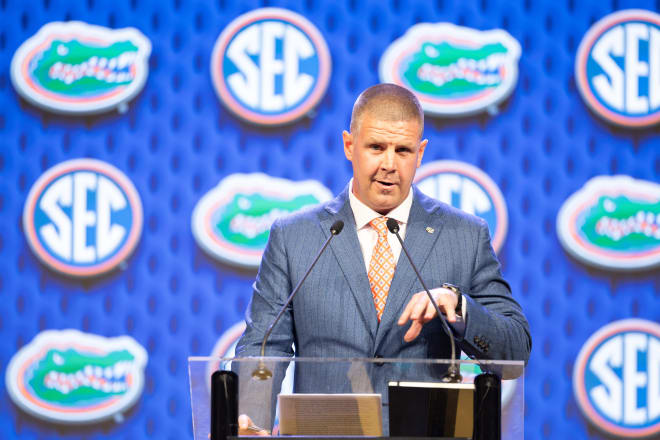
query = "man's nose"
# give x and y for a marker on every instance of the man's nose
(387, 162)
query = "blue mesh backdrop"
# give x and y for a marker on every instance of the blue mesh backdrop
(177, 141)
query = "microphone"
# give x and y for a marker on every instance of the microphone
(453, 372)
(262, 372)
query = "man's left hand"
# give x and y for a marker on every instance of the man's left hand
(420, 310)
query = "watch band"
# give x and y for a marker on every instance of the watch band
(459, 296)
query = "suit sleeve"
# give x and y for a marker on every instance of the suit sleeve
(269, 293)
(496, 327)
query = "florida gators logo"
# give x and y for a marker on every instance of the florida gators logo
(270, 66)
(76, 68)
(469, 189)
(618, 68)
(613, 222)
(453, 70)
(616, 379)
(232, 221)
(83, 217)
(72, 377)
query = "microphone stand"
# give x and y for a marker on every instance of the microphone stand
(262, 372)
(453, 374)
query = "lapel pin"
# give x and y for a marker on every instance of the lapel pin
(430, 230)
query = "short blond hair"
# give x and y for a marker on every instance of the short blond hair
(387, 102)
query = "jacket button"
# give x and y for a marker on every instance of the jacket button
(379, 364)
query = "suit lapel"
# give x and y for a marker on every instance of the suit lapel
(346, 249)
(422, 232)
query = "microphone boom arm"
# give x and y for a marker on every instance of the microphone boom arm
(453, 374)
(262, 372)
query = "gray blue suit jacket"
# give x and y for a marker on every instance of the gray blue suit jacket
(333, 315)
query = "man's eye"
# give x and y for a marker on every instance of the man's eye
(375, 147)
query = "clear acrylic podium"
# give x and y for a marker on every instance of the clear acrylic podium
(258, 397)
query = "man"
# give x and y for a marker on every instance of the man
(342, 309)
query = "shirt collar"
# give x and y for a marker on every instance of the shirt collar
(363, 214)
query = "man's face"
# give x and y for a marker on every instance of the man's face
(385, 155)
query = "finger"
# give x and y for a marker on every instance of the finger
(244, 421)
(420, 308)
(413, 331)
(451, 315)
(405, 316)
(255, 430)
(430, 312)
(449, 310)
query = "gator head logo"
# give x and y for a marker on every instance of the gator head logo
(617, 68)
(232, 221)
(270, 66)
(613, 223)
(73, 67)
(83, 217)
(616, 379)
(72, 377)
(469, 189)
(453, 70)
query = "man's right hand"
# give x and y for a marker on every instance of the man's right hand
(420, 310)
(247, 427)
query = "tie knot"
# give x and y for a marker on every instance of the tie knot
(379, 224)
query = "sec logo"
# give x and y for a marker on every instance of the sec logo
(270, 66)
(469, 189)
(616, 378)
(83, 217)
(618, 68)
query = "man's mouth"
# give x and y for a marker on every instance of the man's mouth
(385, 185)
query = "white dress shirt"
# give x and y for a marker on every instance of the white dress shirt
(368, 236)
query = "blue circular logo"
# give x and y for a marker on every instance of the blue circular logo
(616, 378)
(469, 189)
(270, 66)
(83, 217)
(617, 68)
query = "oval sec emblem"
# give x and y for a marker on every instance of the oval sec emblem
(618, 68)
(82, 217)
(616, 379)
(469, 189)
(270, 66)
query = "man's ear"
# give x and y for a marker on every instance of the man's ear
(420, 154)
(348, 144)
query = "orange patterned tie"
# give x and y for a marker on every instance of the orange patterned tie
(381, 267)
